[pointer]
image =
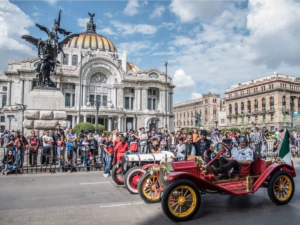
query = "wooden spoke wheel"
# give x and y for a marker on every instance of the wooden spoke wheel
(117, 175)
(148, 188)
(281, 187)
(181, 200)
(132, 177)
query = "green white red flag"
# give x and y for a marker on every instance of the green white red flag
(285, 151)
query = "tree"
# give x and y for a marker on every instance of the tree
(83, 126)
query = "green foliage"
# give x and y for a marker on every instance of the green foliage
(83, 126)
(230, 129)
(101, 128)
(107, 132)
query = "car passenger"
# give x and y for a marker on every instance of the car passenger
(240, 156)
(154, 146)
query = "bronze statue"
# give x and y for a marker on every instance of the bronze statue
(48, 51)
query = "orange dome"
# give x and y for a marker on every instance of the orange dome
(132, 67)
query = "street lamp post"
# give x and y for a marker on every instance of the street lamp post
(97, 104)
(216, 122)
(10, 117)
(179, 121)
(23, 108)
(166, 97)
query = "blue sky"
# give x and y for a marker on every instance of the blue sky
(210, 45)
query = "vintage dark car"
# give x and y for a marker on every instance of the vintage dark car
(180, 184)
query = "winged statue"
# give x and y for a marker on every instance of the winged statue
(48, 51)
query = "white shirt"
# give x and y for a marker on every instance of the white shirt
(47, 138)
(242, 154)
(85, 146)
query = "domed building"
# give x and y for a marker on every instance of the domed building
(92, 70)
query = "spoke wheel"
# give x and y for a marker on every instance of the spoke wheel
(148, 188)
(132, 177)
(181, 200)
(117, 175)
(281, 187)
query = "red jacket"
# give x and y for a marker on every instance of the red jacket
(121, 148)
(134, 145)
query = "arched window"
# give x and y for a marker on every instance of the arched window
(230, 109)
(191, 114)
(263, 104)
(188, 115)
(292, 103)
(249, 106)
(298, 104)
(242, 107)
(283, 101)
(271, 103)
(66, 60)
(256, 105)
(236, 108)
(74, 60)
(153, 75)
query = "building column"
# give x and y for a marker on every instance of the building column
(73, 121)
(109, 124)
(30, 85)
(124, 124)
(77, 121)
(84, 118)
(171, 102)
(58, 85)
(119, 123)
(140, 100)
(120, 97)
(136, 99)
(8, 93)
(116, 97)
(144, 99)
(84, 95)
(77, 95)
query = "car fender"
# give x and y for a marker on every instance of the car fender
(198, 181)
(271, 169)
(147, 166)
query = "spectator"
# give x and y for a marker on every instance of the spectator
(81, 135)
(159, 134)
(189, 147)
(133, 144)
(172, 141)
(203, 144)
(109, 150)
(5, 136)
(47, 145)
(9, 145)
(120, 149)
(164, 144)
(33, 149)
(143, 141)
(154, 146)
(180, 149)
(85, 150)
(72, 146)
(60, 143)
(8, 162)
(195, 136)
(21, 145)
(101, 142)
(55, 137)
(59, 130)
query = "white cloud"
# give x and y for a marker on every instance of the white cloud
(130, 29)
(158, 11)
(51, 2)
(133, 6)
(135, 47)
(12, 47)
(36, 14)
(183, 82)
(107, 31)
(82, 22)
(108, 14)
(195, 95)
(187, 11)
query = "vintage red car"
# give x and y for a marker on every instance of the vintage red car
(183, 182)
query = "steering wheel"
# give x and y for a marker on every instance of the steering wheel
(218, 149)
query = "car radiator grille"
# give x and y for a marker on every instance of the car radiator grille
(162, 181)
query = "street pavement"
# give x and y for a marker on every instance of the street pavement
(89, 198)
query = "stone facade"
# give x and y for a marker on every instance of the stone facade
(264, 102)
(208, 106)
(130, 97)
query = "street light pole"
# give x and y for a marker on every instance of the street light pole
(166, 97)
(10, 117)
(97, 104)
(80, 91)
(23, 108)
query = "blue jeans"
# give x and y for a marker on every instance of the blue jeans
(134, 153)
(9, 167)
(20, 158)
(107, 166)
(85, 157)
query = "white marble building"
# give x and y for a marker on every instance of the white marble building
(130, 97)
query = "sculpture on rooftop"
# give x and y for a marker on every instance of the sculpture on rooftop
(48, 51)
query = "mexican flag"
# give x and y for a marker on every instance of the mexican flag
(285, 151)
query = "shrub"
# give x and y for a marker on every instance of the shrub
(83, 126)
(101, 128)
(107, 132)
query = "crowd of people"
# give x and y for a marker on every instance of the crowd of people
(70, 150)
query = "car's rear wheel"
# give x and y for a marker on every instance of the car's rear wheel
(117, 175)
(132, 178)
(281, 187)
(181, 200)
(148, 188)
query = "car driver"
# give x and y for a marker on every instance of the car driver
(240, 156)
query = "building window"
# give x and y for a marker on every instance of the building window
(74, 60)
(129, 101)
(154, 104)
(104, 100)
(92, 99)
(256, 119)
(4, 88)
(298, 104)
(272, 117)
(2, 118)
(4, 97)
(126, 102)
(263, 104)
(152, 99)
(68, 100)
(249, 107)
(283, 101)
(236, 108)
(230, 109)
(66, 60)
(73, 100)
(153, 75)
(256, 105)
(149, 103)
(272, 103)
(264, 118)
(242, 107)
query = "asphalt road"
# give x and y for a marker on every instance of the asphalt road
(89, 198)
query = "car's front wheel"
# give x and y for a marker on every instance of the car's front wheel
(281, 187)
(132, 178)
(181, 200)
(117, 175)
(148, 188)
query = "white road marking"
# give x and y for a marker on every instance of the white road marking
(96, 183)
(125, 204)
